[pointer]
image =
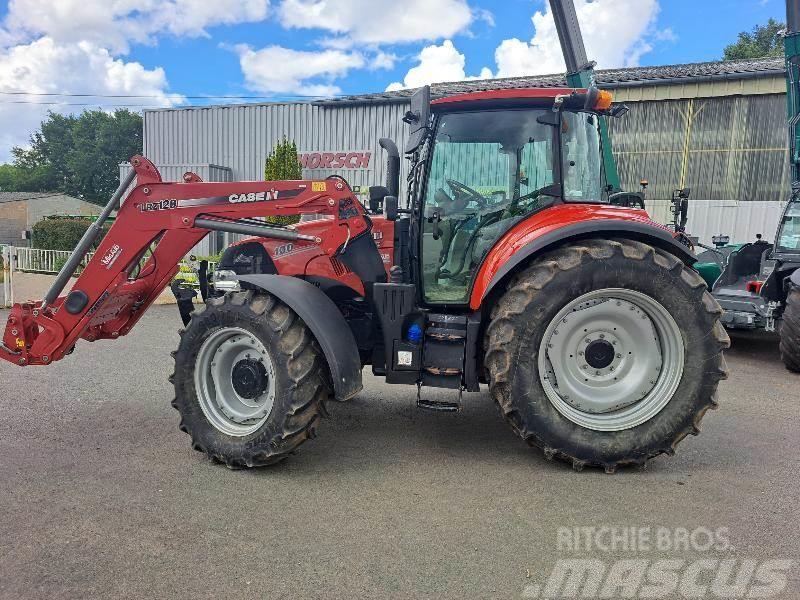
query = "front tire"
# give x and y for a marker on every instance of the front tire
(790, 332)
(250, 381)
(641, 360)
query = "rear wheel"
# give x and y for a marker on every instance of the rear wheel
(790, 332)
(605, 353)
(250, 382)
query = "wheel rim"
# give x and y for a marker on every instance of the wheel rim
(235, 381)
(611, 359)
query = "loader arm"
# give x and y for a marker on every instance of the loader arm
(155, 227)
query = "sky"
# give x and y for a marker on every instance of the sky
(68, 55)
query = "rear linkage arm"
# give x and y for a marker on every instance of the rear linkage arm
(168, 219)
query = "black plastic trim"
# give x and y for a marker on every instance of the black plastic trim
(76, 301)
(325, 322)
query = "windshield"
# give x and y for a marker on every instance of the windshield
(581, 151)
(488, 170)
(789, 233)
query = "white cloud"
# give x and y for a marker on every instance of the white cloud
(279, 70)
(615, 34)
(436, 64)
(114, 24)
(44, 66)
(382, 60)
(380, 21)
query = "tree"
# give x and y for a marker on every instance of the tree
(764, 40)
(282, 164)
(77, 155)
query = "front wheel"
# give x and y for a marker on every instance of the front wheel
(605, 353)
(250, 382)
(790, 332)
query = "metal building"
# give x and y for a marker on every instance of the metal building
(719, 128)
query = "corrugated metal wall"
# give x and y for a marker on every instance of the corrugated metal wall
(240, 137)
(730, 150)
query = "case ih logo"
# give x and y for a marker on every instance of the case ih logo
(335, 160)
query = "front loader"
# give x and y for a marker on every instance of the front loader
(509, 268)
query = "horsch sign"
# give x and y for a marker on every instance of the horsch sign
(335, 160)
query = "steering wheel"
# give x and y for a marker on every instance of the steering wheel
(464, 192)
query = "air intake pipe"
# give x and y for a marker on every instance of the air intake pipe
(392, 166)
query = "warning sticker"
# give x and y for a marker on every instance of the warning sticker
(319, 186)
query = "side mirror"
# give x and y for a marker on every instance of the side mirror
(390, 208)
(418, 117)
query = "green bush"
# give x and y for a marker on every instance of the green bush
(60, 234)
(282, 164)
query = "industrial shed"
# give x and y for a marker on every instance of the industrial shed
(718, 128)
(20, 211)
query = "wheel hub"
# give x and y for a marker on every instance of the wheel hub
(249, 378)
(599, 354)
(235, 381)
(611, 359)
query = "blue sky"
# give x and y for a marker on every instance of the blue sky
(169, 50)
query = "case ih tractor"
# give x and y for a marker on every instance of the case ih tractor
(597, 340)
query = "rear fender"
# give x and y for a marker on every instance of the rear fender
(325, 322)
(564, 223)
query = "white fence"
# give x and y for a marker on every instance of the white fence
(49, 262)
(7, 299)
(35, 260)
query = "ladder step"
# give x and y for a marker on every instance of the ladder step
(443, 371)
(438, 406)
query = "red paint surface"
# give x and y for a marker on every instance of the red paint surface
(511, 94)
(540, 224)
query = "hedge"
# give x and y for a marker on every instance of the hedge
(60, 234)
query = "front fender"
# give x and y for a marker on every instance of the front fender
(325, 322)
(563, 222)
(795, 278)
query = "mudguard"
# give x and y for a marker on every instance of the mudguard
(325, 322)
(559, 224)
(795, 278)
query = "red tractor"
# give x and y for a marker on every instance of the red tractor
(509, 267)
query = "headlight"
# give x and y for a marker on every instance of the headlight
(225, 281)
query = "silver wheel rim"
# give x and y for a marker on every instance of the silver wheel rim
(228, 360)
(610, 391)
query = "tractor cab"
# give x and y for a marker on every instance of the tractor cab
(485, 162)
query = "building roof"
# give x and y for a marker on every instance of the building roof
(22, 196)
(730, 70)
(606, 78)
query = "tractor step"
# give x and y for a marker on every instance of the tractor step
(439, 406)
(443, 354)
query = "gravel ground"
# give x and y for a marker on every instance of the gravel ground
(103, 497)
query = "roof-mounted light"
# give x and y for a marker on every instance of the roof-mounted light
(604, 100)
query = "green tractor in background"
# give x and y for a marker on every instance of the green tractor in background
(758, 283)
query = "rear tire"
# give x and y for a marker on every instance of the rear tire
(641, 279)
(790, 332)
(287, 398)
